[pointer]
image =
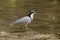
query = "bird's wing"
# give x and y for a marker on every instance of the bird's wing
(21, 20)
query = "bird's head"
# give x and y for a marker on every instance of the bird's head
(32, 12)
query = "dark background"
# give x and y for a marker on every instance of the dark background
(47, 14)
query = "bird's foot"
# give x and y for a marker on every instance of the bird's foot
(22, 30)
(28, 29)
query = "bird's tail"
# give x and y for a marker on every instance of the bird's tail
(13, 23)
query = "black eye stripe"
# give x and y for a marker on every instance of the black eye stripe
(32, 12)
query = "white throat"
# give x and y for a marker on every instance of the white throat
(31, 16)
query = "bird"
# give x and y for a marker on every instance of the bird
(25, 20)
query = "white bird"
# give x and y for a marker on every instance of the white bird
(25, 20)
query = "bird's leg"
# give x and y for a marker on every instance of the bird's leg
(27, 27)
(21, 28)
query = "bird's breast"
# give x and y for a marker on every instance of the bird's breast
(31, 16)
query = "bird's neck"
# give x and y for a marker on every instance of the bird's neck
(31, 16)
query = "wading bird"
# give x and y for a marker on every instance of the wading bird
(25, 20)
